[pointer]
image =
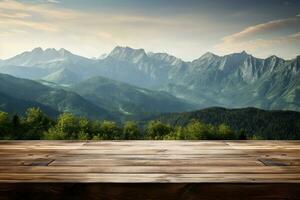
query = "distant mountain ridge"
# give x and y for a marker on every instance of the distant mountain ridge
(14, 105)
(39, 56)
(128, 99)
(27, 93)
(95, 98)
(62, 76)
(235, 80)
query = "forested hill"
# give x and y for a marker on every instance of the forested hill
(250, 121)
(207, 124)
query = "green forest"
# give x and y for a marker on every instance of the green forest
(36, 125)
(206, 124)
(252, 122)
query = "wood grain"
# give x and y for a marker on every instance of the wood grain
(170, 169)
(150, 161)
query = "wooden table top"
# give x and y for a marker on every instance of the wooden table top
(150, 161)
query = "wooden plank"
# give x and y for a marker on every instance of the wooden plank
(35, 155)
(165, 162)
(153, 169)
(153, 161)
(147, 178)
(26, 162)
(158, 151)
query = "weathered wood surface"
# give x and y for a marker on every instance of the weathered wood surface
(150, 161)
(169, 169)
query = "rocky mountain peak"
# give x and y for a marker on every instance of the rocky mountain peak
(37, 50)
(209, 55)
(166, 58)
(127, 53)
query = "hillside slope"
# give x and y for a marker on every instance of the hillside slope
(251, 121)
(57, 99)
(128, 99)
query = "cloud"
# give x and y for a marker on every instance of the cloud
(27, 24)
(40, 15)
(53, 1)
(264, 28)
(47, 24)
(42, 10)
(281, 37)
(17, 15)
(89, 31)
(20, 15)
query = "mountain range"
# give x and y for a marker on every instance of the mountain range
(131, 82)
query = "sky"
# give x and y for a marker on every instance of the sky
(184, 28)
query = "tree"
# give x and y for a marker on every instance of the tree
(157, 130)
(67, 124)
(84, 129)
(4, 125)
(54, 134)
(36, 122)
(176, 134)
(95, 128)
(225, 133)
(16, 122)
(131, 131)
(196, 130)
(66, 128)
(17, 127)
(109, 130)
(4, 118)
